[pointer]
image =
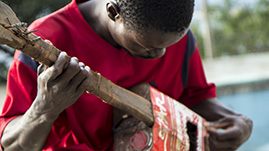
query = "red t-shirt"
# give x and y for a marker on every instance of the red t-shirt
(86, 125)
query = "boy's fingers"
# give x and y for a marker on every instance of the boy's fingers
(59, 65)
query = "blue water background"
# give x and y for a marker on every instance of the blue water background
(256, 106)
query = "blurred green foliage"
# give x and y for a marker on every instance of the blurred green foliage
(237, 29)
(29, 10)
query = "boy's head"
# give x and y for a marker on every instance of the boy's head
(146, 27)
(164, 15)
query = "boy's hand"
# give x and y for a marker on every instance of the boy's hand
(228, 133)
(60, 85)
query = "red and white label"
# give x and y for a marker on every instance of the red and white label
(170, 128)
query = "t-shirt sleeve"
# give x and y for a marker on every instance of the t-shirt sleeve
(196, 87)
(21, 88)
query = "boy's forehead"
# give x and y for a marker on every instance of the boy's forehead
(150, 32)
(157, 38)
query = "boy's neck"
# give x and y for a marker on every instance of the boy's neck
(94, 12)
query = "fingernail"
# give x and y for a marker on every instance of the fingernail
(81, 64)
(88, 68)
(64, 53)
(206, 124)
(48, 41)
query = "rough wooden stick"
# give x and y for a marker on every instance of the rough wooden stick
(15, 34)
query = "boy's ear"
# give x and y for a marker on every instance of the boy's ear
(112, 10)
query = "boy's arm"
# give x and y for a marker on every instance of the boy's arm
(26, 132)
(58, 88)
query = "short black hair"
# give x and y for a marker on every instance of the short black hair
(164, 15)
